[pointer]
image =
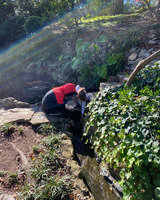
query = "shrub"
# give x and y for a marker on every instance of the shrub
(115, 63)
(33, 23)
(127, 133)
(11, 30)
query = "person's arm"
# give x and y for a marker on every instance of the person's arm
(83, 105)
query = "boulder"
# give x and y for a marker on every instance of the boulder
(10, 102)
(15, 115)
(132, 57)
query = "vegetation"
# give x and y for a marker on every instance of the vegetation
(127, 136)
(47, 129)
(43, 12)
(126, 120)
(49, 176)
(7, 129)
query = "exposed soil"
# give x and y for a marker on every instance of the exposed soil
(16, 150)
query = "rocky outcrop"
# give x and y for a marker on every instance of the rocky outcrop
(79, 188)
(134, 56)
(10, 102)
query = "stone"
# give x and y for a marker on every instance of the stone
(92, 95)
(150, 51)
(122, 77)
(106, 86)
(132, 57)
(112, 79)
(152, 42)
(10, 102)
(131, 62)
(138, 60)
(15, 115)
(74, 168)
(142, 53)
(69, 134)
(41, 118)
(132, 50)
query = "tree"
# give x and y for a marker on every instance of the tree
(152, 7)
(118, 7)
(142, 65)
(7, 9)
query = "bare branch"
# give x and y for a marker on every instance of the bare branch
(142, 65)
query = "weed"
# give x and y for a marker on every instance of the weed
(49, 173)
(20, 130)
(12, 178)
(36, 150)
(2, 173)
(7, 129)
(46, 129)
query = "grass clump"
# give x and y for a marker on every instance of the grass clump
(46, 129)
(50, 179)
(7, 129)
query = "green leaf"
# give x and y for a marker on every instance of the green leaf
(128, 175)
(60, 57)
(75, 63)
(157, 182)
(157, 192)
(102, 39)
(79, 44)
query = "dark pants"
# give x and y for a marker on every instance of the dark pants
(50, 105)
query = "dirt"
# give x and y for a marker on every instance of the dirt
(16, 150)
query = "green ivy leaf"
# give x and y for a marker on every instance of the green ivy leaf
(157, 192)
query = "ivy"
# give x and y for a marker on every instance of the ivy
(127, 136)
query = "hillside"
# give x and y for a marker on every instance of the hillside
(49, 58)
(97, 54)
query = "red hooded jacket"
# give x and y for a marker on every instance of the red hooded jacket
(63, 90)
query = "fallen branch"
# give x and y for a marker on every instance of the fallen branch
(142, 65)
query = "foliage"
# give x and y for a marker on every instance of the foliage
(49, 174)
(33, 23)
(6, 9)
(47, 129)
(127, 135)
(35, 149)
(7, 128)
(12, 178)
(88, 61)
(115, 63)
(157, 191)
(11, 30)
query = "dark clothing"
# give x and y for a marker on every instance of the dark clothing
(54, 100)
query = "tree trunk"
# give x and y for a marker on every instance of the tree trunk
(142, 65)
(118, 7)
(155, 13)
